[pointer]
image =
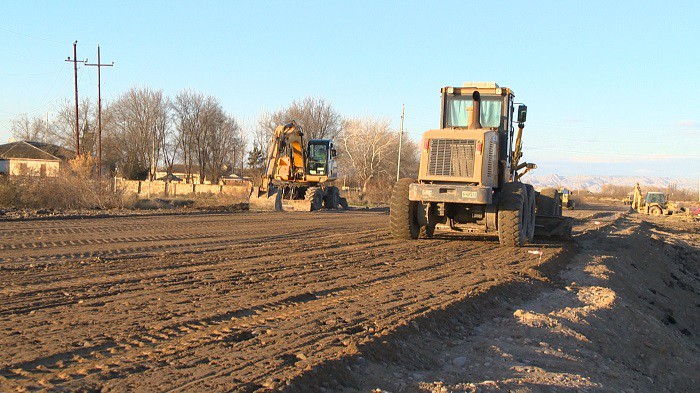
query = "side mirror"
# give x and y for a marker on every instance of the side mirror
(522, 113)
(333, 153)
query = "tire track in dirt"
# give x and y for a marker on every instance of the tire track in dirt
(173, 270)
(267, 301)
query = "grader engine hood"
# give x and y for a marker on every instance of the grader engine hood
(469, 156)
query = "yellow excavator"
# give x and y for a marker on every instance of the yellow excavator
(298, 175)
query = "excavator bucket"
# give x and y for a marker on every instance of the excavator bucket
(297, 205)
(274, 199)
(265, 200)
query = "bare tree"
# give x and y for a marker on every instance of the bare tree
(171, 149)
(206, 135)
(138, 122)
(265, 128)
(366, 144)
(223, 142)
(63, 128)
(34, 129)
(410, 158)
(187, 108)
(316, 116)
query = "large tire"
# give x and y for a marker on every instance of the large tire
(547, 202)
(402, 212)
(315, 196)
(332, 198)
(511, 212)
(530, 213)
(426, 232)
(655, 210)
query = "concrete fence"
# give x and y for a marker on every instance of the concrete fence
(148, 189)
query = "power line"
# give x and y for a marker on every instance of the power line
(46, 103)
(27, 57)
(398, 164)
(77, 116)
(35, 37)
(99, 113)
(37, 74)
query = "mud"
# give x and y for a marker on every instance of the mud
(253, 301)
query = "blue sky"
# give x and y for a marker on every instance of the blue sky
(611, 87)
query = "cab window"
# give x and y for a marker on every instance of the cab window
(318, 157)
(457, 107)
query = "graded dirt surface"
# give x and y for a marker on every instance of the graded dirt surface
(328, 301)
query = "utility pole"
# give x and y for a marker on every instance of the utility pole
(398, 164)
(99, 66)
(75, 73)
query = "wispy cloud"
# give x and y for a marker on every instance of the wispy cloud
(688, 124)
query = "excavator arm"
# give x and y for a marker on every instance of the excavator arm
(285, 156)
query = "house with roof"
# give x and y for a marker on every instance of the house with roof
(22, 158)
(178, 173)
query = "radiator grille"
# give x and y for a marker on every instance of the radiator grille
(490, 159)
(451, 157)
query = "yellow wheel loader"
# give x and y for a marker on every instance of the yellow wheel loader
(470, 172)
(298, 174)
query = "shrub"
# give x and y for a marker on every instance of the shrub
(75, 187)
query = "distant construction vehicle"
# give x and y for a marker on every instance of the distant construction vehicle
(470, 172)
(299, 175)
(656, 204)
(566, 199)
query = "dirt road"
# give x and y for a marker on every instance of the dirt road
(250, 301)
(621, 315)
(240, 301)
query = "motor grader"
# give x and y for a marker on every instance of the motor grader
(470, 174)
(298, 174)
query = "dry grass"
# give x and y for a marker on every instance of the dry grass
(74, 188)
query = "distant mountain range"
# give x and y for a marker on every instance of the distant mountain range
(596, 183)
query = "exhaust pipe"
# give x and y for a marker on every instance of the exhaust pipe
(475, 113)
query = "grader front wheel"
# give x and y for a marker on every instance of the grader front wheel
(402, 212)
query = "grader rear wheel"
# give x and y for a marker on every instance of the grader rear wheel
(511, 212)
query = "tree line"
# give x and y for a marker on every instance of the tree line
(144, 131)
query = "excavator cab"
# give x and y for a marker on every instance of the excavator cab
(320, 154)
